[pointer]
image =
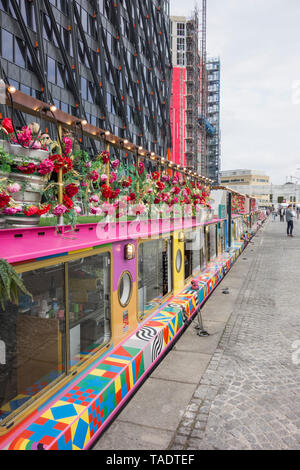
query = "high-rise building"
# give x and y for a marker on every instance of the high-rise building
(185, 91)
(107, 62)
(213, 144)
(195, 104)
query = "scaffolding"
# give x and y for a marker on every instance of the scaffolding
(192, 92)
(203, 94)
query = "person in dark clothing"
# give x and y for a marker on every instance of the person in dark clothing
(290, 215)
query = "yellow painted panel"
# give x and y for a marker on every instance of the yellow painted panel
(178, 276)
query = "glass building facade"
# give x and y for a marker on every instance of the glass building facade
(104, 61)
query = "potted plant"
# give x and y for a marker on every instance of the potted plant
(10, 284)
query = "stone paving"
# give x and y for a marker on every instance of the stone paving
(249, 396)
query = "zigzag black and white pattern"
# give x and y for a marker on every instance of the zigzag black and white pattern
(157, 346)
(146, 333)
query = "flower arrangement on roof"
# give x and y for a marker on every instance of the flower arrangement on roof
(102, 185)
(238, 204)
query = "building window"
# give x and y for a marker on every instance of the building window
(180, 29)
(7, 43)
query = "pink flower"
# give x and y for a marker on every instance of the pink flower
(77, 209)
(46, 167)
(113, 178)
(83, 184)
(94, 198)
(88, 165)
(25, 137)
(36, 146)
(14, 188)
(60, 209)
(115, 164)
(12, 210)
(165, 178)
(94, 176)
(103, 178)
(68, 145)
(95, 210)
(108, 209)
(138, 209)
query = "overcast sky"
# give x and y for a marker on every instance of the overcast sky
(258, 42)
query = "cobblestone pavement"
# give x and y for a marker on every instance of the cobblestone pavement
(249, 396)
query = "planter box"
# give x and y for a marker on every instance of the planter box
(34, 185)
(21, 153)
(21, 221)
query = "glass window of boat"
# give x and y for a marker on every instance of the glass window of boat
(213, 241)
(32, 339)
(89, 306)
(155, 273)
(193, 252)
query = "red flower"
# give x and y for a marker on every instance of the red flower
(71, 190)
(157, 200)
(160, 185)
(68, 203)
(132, 197)
(141, 168)
(155, 175)
(127, 183)
(32, 210)
(44, 209)
(28, 168)
(61, 162)
(105, 156)
(4, 200)
(114, 194)
(8, 125)
(106, 191)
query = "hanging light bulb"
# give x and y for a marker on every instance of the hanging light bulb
(12, 89)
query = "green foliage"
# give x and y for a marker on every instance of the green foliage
(6, 161)
(10, 284)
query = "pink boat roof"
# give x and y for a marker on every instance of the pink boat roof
(31, 244)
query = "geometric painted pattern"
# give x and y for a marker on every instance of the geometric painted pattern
(92, 400)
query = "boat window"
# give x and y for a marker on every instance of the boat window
(125, 289)
(194, 252)
(89, 306)
(213, 241)
(32, 339)
(155, 274)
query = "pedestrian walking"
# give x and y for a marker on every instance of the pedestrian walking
(281, 212)
(298, 213)
(274, 214)
(290, 216)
